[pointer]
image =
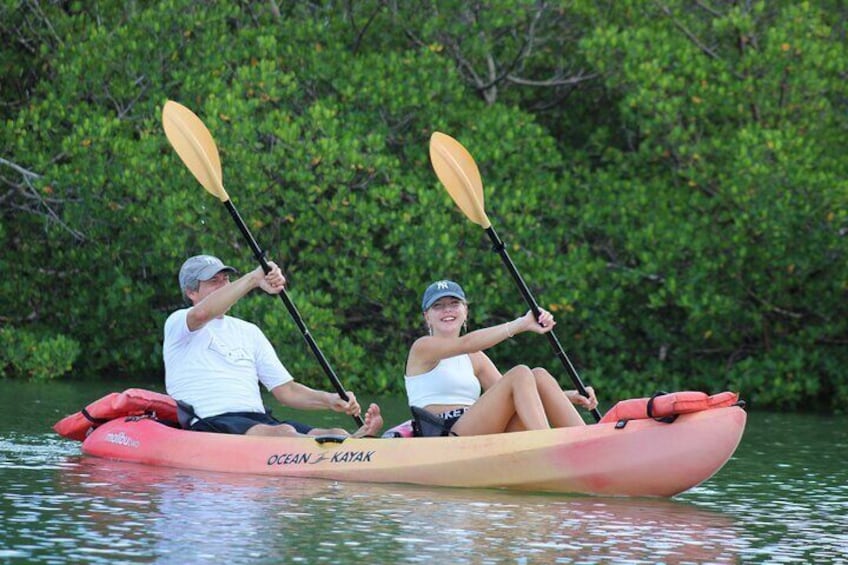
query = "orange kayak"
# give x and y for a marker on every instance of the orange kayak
(645, 457)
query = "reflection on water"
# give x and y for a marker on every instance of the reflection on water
(100, 511)
(781, 499)
(507, 528)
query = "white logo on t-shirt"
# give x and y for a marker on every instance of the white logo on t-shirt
(235, 355)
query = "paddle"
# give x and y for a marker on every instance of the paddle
(459, 174)
(195, 146)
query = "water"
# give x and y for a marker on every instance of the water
(783, 498)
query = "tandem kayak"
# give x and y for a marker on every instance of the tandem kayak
(638, 457)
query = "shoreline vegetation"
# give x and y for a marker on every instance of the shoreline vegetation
(671, 180)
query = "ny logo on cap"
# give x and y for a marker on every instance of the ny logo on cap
(442, 285)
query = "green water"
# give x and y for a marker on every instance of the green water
(783, 498)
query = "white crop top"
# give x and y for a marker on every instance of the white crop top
(452, 381)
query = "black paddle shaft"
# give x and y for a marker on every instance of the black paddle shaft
(298, 319)
(528, 297)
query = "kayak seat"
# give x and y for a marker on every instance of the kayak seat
(404, 429)
(425, 424)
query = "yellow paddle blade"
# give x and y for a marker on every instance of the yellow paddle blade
(458, 173)
(195, 146)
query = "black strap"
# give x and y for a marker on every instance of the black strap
(186, 414)
(92, 419)
(666, 419)
(650, 412)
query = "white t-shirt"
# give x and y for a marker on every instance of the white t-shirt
(452, 381)
(218, 368)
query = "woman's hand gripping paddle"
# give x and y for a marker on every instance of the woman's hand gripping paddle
(460, 176)
(196, 147)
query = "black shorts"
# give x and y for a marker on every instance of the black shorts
(240, 422)
(452, 416)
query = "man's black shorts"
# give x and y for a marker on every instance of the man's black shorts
(240, 422)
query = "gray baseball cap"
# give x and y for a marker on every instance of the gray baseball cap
(440, 289)
(201, 268)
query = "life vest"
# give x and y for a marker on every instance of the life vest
(131, 402)
(667, 406)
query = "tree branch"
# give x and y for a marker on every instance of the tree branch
(42, 205)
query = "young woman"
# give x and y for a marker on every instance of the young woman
(449, 375)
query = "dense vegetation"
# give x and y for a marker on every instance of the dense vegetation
(670, 177)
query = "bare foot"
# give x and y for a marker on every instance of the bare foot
(373, 423)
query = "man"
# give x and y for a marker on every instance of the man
(215, 362)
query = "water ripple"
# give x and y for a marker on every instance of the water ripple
(775, 501)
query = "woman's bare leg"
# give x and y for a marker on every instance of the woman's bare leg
(513, 396)
(559, 409)
(516, 425)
